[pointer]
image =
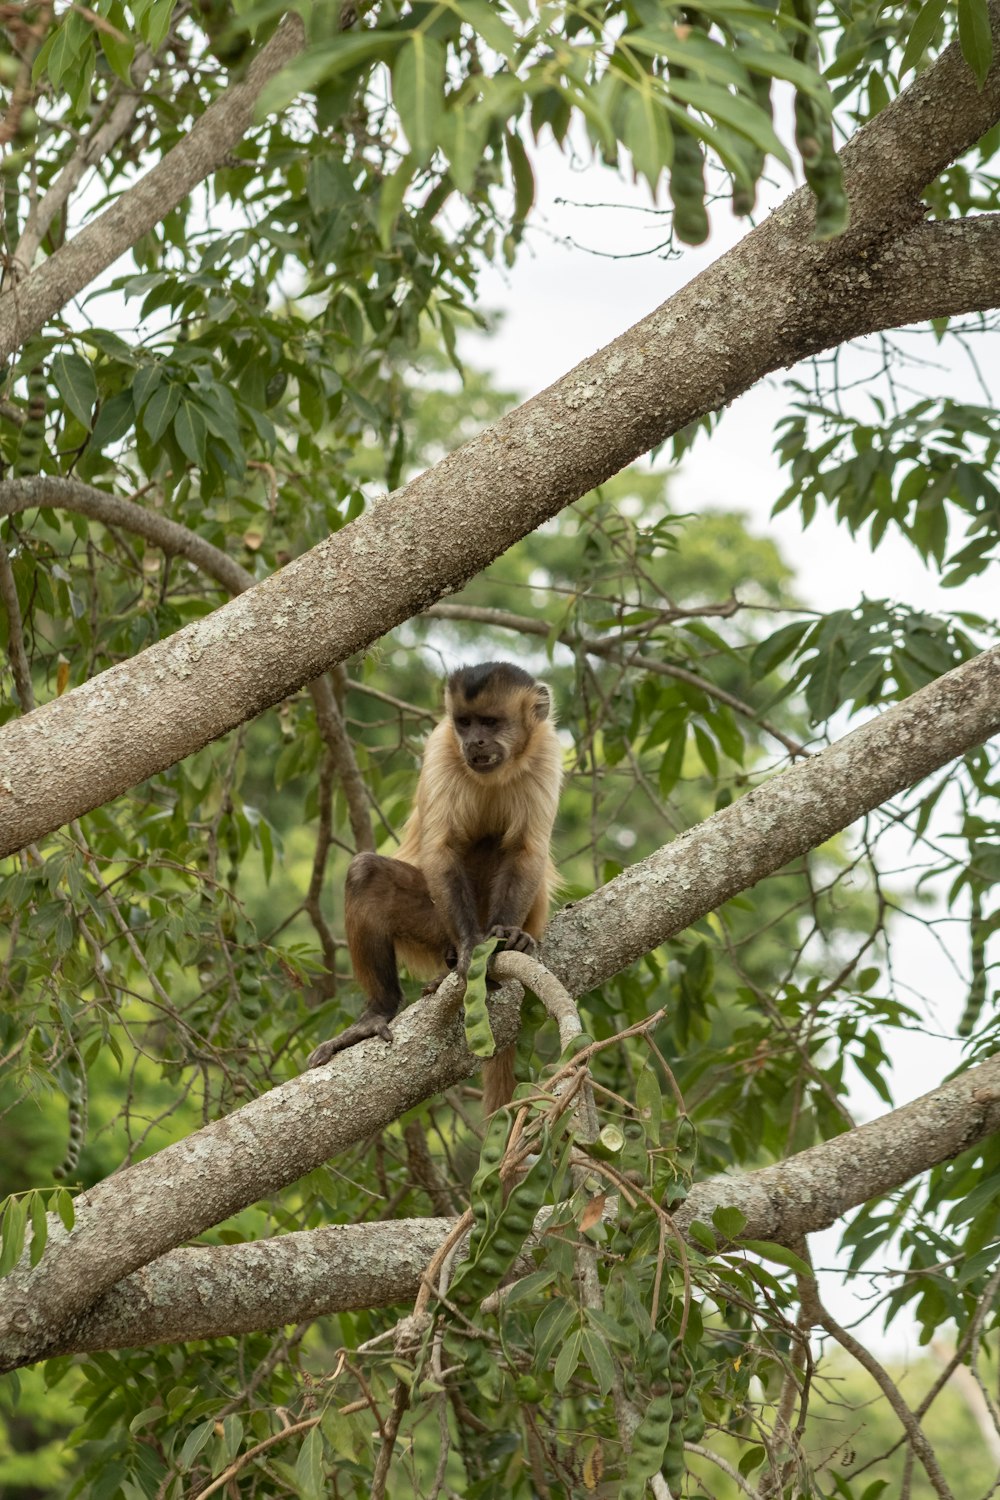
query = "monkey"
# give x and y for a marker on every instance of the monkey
(473, 860)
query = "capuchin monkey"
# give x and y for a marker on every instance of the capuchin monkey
(474, 858)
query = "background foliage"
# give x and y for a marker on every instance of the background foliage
(280, 349)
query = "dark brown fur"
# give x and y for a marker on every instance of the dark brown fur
(474, 856)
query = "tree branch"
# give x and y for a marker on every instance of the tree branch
(208, 1291)
(128, 1220)
(775, 298)
(91, 149)
(17, 495)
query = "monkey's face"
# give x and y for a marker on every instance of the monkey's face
(484, 740)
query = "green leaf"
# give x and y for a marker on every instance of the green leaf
(482, 16)
(975, 36)
(309, 1467)
(780, 1254)
(729, 1221)
(15, 1219)
(978, 1265)
(73, 377)
(598, 1357)
(569, 1358)
(921, 34)
(190, 431)
(320, 64)
(159, 412)
(65, 1209)
(119, 50)
(194, 1442)
(418, 92)
(156, 23)
(463, 132)
(523, 176)
(60, 55)
(39, 1228)
(114, 419)
(390, 199)
(646, 131)
(232, 1436)
(738, 113)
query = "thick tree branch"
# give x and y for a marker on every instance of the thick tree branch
(776, 822)
(213, 1290)
(128, 1220)
(773, 299)
(39, 296)
(17, 495)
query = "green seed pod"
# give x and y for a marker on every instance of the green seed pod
(814, 137)
(687, 188)
(478, 1032)
(31, 438)
(650, 1438)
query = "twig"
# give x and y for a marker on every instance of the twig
(252, 1453)
(612, 651)
(19, 664)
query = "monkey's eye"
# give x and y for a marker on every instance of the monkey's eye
(489, 723)
(463, 723)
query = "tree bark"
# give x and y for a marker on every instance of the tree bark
(131, 1218)
(214, 1290)
(775, 298)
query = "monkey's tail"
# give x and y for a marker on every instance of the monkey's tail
(498, 1080)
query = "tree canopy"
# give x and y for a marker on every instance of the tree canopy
(245, 455)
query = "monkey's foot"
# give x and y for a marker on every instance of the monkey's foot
(515, 939)
(433, 985)
(359, 1031)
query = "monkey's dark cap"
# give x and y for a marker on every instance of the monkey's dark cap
(471, 681)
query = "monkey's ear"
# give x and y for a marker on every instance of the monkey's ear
(542, 701)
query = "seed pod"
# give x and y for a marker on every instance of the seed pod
(76, 1110)
(687, 188)
(31, 438)
(478, 1032)
(814, 136)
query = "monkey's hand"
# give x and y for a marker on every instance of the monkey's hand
(370, 1024)
(515, 939)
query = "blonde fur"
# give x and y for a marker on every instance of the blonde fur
(456, 807)
(474, 856)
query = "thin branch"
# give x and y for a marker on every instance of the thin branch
(93, 148)
(613, 650)
(19, 664)
(31, 302)
(817, 1315)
